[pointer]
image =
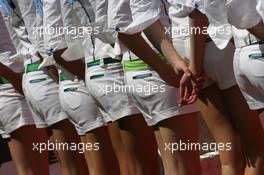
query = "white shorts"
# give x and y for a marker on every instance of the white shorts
(14, 112)
(80, 107)
(218, 66)
(249, 72)
(154, 98)
(42, 95)
(105, 82)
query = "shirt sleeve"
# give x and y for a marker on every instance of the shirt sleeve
(130, 17)
(182, 8)
(243, 13)
(260, 8)
(53, 25)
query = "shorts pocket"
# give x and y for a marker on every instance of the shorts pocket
(97, 85)
(72, 98)
(256, 64)
(37, 88)
(145, 85)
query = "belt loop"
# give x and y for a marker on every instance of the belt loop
(250, 42)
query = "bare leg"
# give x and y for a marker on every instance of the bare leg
(27, 161)
(71, 162)
(261, 116)
(250, 130)
(178, 129)
(139, 141)
(161, 149)
(101, 161)
(119, 148)
(219, 122)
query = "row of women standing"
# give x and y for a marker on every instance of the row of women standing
(67, 78)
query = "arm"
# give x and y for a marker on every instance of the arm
(258, 30)
(51, 70)
(197, 43)
(75, 67)
(14, 78)
(137, 44)
(156, 34)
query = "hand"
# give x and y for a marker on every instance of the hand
(181, 67)
(189, 89)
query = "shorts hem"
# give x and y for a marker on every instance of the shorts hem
(92, 126)
(47, 124)
(256, 105)
(24, 122)
(169, 113)
(124, 113)
(227, 84)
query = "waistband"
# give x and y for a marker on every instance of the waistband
(138, 64)
(62, 77)
(249, 40)
(32, 67)
(103, 61)
(3, 80)
(134, 65)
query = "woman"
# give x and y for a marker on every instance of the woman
(220, 111)
(159, 106)
(17, 125)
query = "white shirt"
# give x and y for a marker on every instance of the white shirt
(243, 13)
(90, 47)
(260, 8)
(14, 62)
(130, 17)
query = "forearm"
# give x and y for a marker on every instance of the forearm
(138, 45)
(14, 78)
(197, 41)
(7, 73)
(157, 35)
(258, 30)
(75, 67)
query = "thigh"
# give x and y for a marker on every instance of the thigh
(246, 121)
(215, 114)
(22, 152)
(181, 130)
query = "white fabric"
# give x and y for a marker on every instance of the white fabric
(242, 37)
(222, 13)
(42, 94)
(218, 66)
(106, 84)
(16, 29)
(52, 22)
(248, 67)
(260, 8)
(90, 47)
(242, 13)
(14, 62)
(80, 106)
(130, 17)
(14, 112)
(157, 101)
(219, 29)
